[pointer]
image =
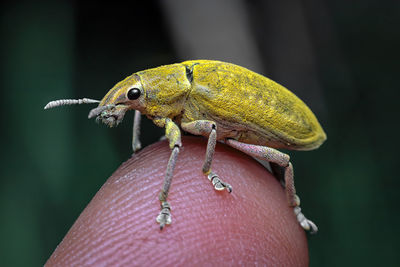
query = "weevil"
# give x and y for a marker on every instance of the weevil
(222, 102)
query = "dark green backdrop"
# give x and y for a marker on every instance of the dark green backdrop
(341, 57)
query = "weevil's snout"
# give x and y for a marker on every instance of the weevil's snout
(125, 95)
(111, 115)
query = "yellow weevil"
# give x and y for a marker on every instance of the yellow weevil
(223, 102)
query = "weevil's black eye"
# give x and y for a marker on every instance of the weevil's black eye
(133, 94)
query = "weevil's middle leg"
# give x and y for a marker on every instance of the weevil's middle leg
(208, 128)
(283, 160)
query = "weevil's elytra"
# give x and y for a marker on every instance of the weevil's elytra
(222, 102)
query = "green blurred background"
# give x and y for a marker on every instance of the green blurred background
(341, 57)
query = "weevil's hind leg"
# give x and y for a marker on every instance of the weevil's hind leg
(294, 201)
(136, 145)
(279, 173)
(276, 157)
(173, 134)
(208, 128)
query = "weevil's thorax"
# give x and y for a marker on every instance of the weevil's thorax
(165, 90)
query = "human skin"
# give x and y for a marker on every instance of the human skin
(251, 226)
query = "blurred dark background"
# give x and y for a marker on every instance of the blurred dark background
(341, 57)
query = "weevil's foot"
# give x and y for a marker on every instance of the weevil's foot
(136, 147)
(304, 222)
(218, 183)
(165, 215)
(296, 201)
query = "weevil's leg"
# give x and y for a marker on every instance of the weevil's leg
(208, 129)
(165, 214)
(281, 159)
(278, 172)
(173, 134)
(136, 132)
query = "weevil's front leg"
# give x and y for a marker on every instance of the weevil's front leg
(277, 157)
(173, 134)
(208, 129)
(136, 132)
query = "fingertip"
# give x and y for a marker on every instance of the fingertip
(251, 225)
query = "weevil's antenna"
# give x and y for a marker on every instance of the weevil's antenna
(64, 102)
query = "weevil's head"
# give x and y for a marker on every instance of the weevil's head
(125, 95)
(158, 92)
